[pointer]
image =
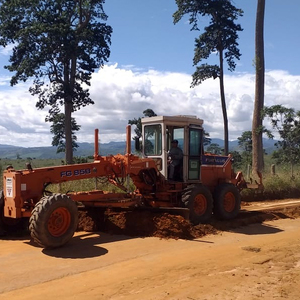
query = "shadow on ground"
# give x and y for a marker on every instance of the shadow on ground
(97, 227)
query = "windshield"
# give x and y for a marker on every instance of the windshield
(153, 142)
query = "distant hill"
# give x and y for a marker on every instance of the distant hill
(84, 150)
(87, 149)
(269, 145)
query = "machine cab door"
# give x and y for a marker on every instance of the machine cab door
(153, 144)
(195, 149)
(157, 142)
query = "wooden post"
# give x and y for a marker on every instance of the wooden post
(248, 171)
(273, 170)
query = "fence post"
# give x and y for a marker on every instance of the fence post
(248, 171)
(273, 169)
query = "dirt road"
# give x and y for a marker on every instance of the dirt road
(259, 261)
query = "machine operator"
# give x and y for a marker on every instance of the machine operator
(175, 157)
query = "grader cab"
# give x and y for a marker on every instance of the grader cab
(206, 184)
(158, 132)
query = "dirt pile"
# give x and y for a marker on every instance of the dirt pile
(165, 225)
(141, 224)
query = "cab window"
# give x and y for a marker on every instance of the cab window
(153, 140)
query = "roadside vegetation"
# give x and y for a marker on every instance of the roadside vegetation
(280, 180)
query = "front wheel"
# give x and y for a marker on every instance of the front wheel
(227, 201)
(53, 221)
(199, 200)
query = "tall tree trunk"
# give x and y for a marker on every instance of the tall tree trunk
(70, 73)
(223, 103)
(257, 153)
(68, 131)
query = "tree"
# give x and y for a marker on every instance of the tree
(206, 139)
(257, 122)
(215, 149)
(57, 128)
(245, 141)
(219, 36)
(138, 123)
(138, 131)
(59, 44)
(287, 123)
(237, 159)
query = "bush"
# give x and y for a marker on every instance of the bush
(282, 185)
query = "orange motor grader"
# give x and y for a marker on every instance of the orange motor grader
(205, 184)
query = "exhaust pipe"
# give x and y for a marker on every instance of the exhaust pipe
(96, 145)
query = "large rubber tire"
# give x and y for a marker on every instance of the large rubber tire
(199, 200)
(53, 221)
(227, 201)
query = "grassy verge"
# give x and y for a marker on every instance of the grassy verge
(283, 184)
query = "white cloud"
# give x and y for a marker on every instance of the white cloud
(7, 50)
(20, 122)
(121, 94)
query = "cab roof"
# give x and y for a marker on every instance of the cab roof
(180, 120)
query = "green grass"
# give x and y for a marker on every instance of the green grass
(19, 164)
(283, 184)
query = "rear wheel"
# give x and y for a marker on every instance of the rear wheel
(227, 201)
(53, 221)
(199, 201)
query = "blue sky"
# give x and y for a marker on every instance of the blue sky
(150, 67)
(145, 36)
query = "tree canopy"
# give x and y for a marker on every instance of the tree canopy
(219, 36)
(215, 148)
(138, 123)
(286, 121)
(245, 144)
(57, 129)
(58, 44)
(245, 141)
